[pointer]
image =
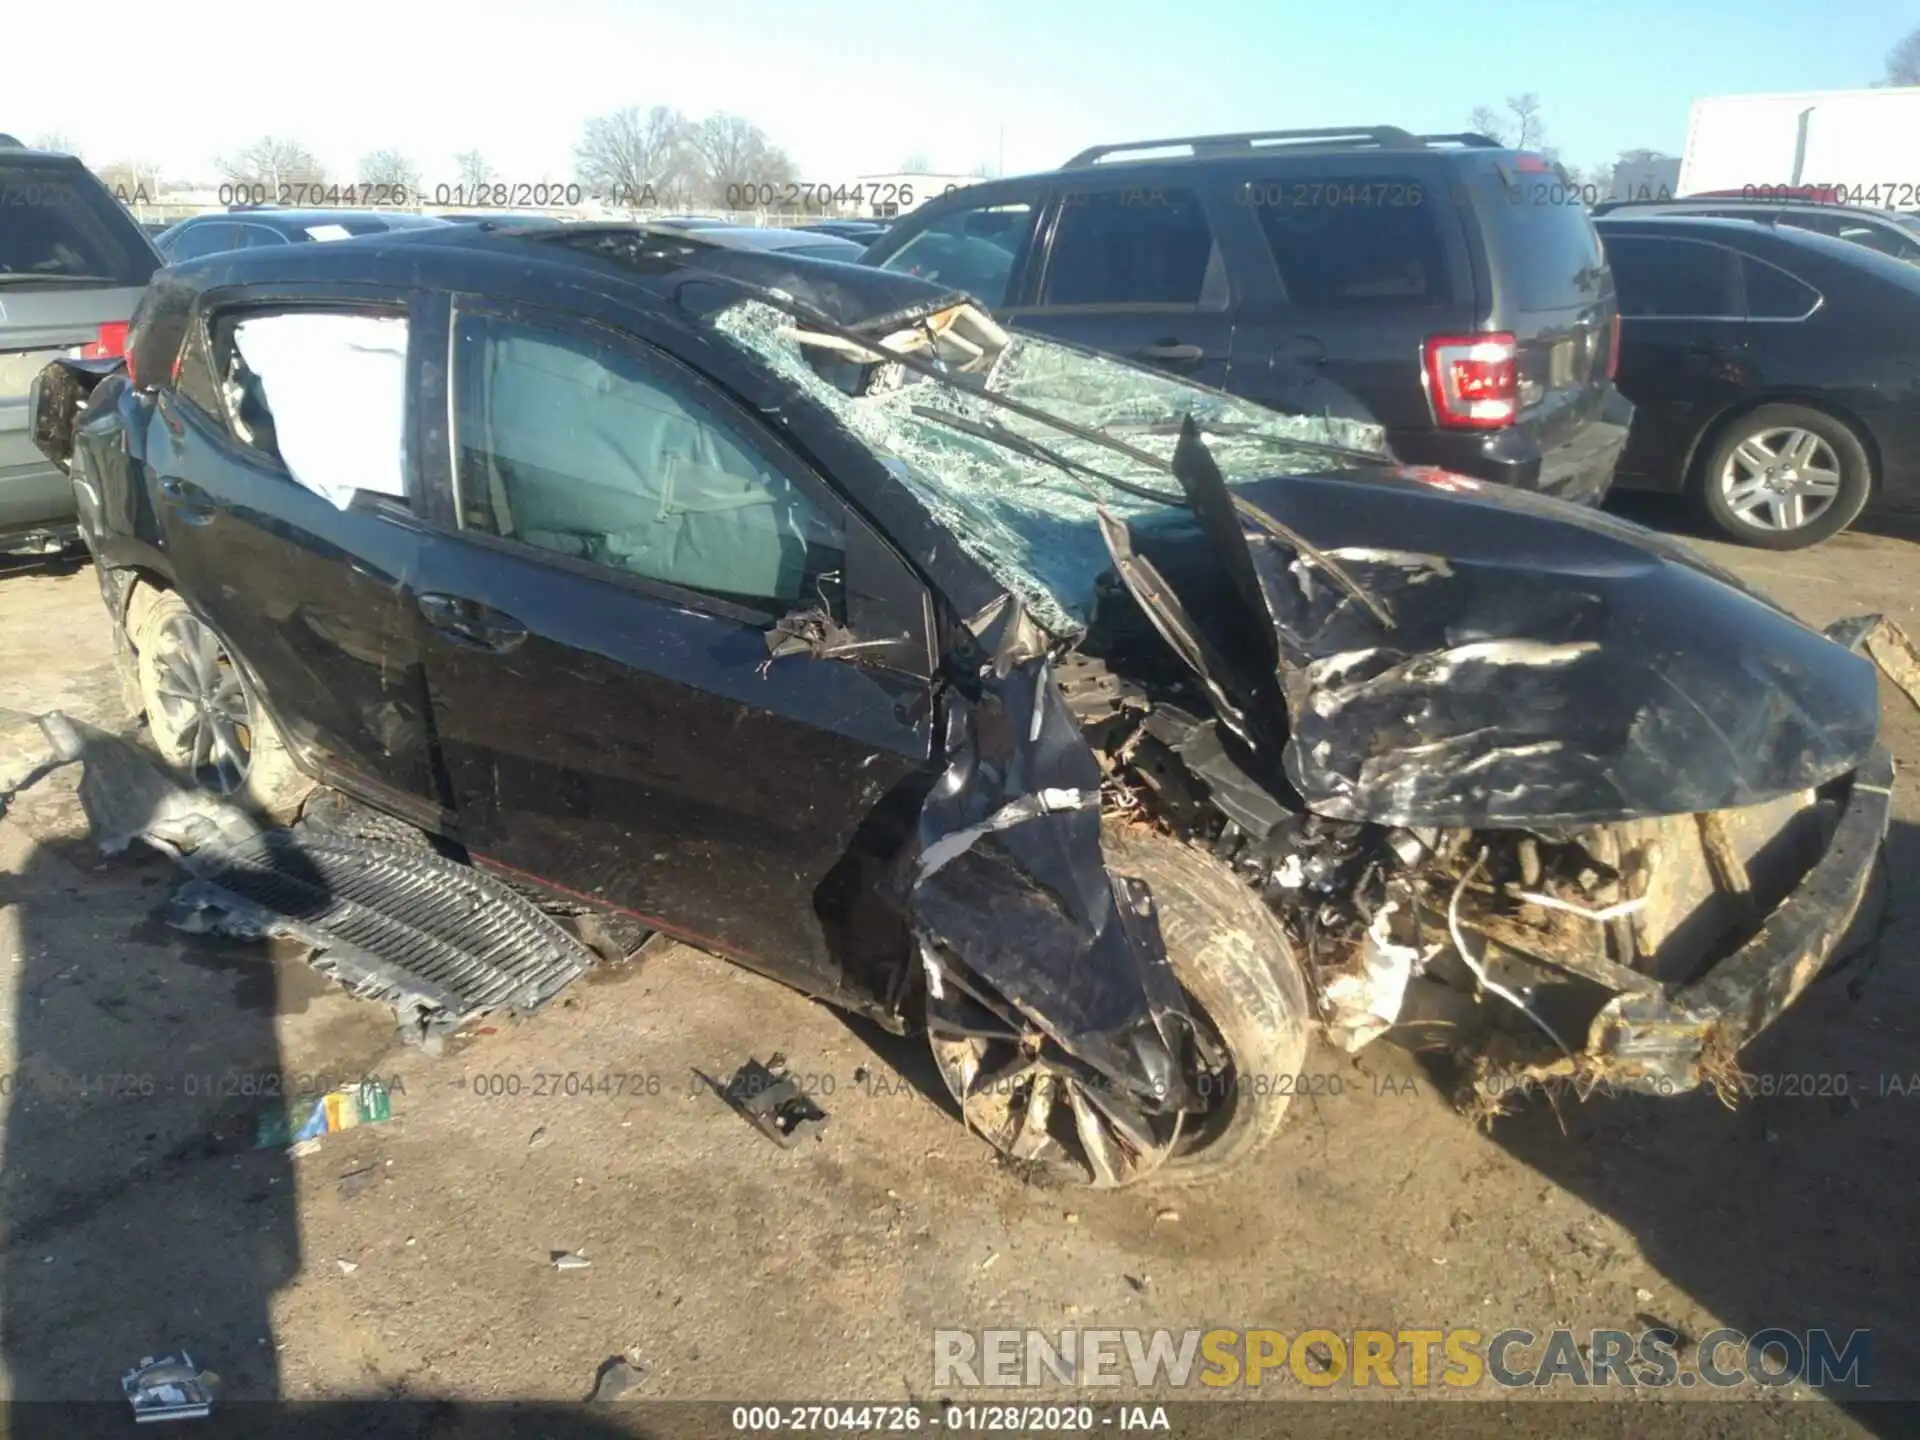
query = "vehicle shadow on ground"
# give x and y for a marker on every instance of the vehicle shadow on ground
(146, 1207)
(139, 1218)
(1797, 1209)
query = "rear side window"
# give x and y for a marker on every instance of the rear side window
(1659, 278)
(290, 379)
(1541, 243)
(1883, 238)
(58, 223)
(975, 250)
(1348, 242)
(197, 240)
(1131, 247)
(1773, 294)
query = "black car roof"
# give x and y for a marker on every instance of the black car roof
(290, 220)
(1780, 243)
(622, 260)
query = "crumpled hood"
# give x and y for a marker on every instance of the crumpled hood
(1545, 665)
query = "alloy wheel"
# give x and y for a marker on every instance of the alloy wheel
(204, 704)
(1051, 1117)
(1781, 479)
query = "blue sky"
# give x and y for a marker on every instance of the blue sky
(852, 86)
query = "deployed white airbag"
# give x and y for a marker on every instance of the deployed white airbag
(336, 387)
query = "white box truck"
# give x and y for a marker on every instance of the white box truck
(1863, 144)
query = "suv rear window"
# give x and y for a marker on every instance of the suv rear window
(58, 222)
(1542, 245)
(1349, 242)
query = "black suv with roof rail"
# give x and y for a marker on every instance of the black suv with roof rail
(1450, 289)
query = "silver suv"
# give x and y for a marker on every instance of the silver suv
(73, 264)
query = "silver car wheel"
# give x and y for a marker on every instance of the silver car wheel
(1781, 479)
(204, 704)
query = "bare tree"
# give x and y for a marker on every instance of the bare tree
(633, 157)
(472, 169)
(57, 140)
(271, 163)
(916, 164)
(1520, 128)
(131, 181)
(391, 169)
(985, 170)
(737, 160)
(1903, 61)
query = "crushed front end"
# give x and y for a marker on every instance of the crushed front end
(1522, 781)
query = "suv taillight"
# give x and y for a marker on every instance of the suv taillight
(1473, 380)
(111, 343)
(1613, 346)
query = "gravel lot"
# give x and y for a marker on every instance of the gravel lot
(413, 1258)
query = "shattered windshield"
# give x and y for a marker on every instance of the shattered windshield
(1029, 521)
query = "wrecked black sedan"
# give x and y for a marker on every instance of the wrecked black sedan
(1112, 731)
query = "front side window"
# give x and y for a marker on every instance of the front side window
(197, 240)
(1659, 278)
(972, 250)
(582, 446)
(1132, 246)
(322, 393)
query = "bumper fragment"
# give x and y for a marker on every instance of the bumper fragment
(1668, 1041)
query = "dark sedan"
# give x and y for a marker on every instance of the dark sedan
(1774, 373)
(247, 229)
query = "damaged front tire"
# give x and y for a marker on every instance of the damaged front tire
(1238, 971)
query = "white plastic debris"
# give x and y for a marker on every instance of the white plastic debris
(1363, 1004)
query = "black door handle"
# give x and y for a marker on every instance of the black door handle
(471, 625)
(1169, 350)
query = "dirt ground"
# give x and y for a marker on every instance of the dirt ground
(413, 1258)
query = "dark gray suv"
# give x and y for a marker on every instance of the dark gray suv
(73, 264)
(1449, 289)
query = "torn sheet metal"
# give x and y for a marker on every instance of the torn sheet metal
(1544, 665)
(1013, 904)
(124, 794)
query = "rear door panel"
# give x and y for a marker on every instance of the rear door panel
(315, 599)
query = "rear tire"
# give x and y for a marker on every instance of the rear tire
(1783, 477)
(204, 717)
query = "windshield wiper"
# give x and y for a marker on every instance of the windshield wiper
(1023, 445)
(11, 277)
